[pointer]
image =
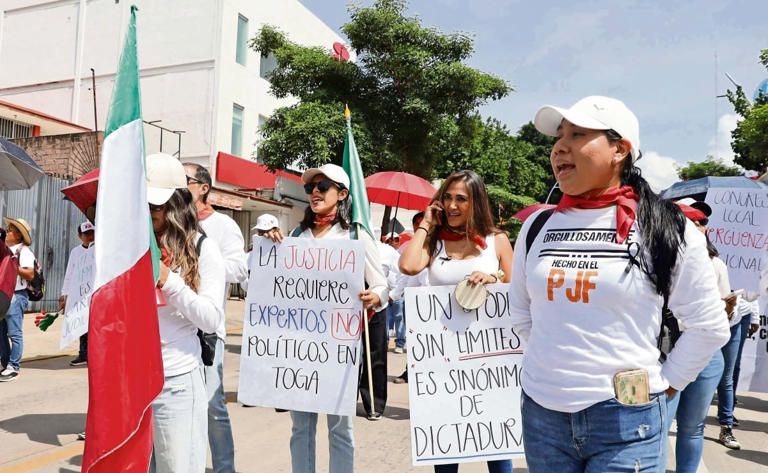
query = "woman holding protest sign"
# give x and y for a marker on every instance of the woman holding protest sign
(191, 287)
(328, 216)
(588, 287)
(457, 240)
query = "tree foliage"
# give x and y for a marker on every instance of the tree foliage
(410, 93)
(750, 137)
(708, 167)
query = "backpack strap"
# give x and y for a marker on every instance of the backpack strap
(535, 228)
(199, 244)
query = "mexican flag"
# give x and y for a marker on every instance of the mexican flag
(361, 209)
(125, 366)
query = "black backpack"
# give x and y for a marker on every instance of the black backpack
(36, 285)
(207, 340)
(669, 331)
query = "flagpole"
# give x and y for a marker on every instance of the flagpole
(368, 358)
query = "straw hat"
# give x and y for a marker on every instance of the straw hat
(22, 226)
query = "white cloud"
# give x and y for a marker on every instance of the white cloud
(658, 170)
(721, 147)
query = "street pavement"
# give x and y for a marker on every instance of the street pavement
(44, 409)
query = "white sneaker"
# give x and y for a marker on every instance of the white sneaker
(7, 371)
(398, 349)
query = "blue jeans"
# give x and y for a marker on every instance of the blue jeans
(396, 320)
(341, 443)
(494, 466)
(219, 428)
(744, 326)
(180, 422)
(690, 407)
(607, 436)
(10, 327)
(725, 388)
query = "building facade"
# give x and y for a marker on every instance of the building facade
(199, 78)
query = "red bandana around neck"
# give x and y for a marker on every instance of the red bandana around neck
(204, 210)
(452, 235)
(165, 257)
(323, 219)
(624, 197)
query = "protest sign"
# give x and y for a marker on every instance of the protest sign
(302, 327)
(738, 227)
(78, 292)
(464, 372)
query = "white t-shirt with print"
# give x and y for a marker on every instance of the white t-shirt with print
(587, 315)
(26, 260)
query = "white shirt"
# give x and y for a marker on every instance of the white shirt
(186, 311)
(227, 235)
(446, 271)
(26, 260)
(585, 318)
(74, 255)
(374, 275)
(390, 259)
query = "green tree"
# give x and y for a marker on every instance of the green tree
(708, 167)
(410, 93)
(750, 137)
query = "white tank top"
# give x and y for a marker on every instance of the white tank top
(445, 271)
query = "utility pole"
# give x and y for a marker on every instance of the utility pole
(93, 89)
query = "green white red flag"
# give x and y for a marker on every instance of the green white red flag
(125, 367)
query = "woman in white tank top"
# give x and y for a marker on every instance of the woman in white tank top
(457, 240)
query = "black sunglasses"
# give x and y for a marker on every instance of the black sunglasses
(322, 186)
(192, 180)
(704, 222)
(156, 208)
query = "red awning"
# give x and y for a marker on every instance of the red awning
(247, 174)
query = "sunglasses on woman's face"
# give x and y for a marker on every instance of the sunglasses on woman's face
(322, 186)
(156, 208)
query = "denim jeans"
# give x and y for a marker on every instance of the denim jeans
(725, 388)
(494, 466)
(10, 327)
(744, 326)
(690, 407)
(341, 443)
(180, 423)
(396, 320)
(219, 429)
(607, 436)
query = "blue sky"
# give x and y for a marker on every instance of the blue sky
(658, 57)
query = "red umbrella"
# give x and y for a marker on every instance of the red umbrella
(528, 211)
(83, 192)
(399, 189)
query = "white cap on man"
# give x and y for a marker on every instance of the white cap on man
(595, 113)
(87, 227)
(266, 222)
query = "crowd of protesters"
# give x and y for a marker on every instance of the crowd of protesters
(656, 262)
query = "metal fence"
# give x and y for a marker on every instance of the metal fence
(54, 224)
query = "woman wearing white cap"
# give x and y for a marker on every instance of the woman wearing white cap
(588, 287)
(192, 286)
(328, 216)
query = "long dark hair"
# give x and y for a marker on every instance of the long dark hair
(711, 248)
(179, 236)
(343, 212)
(480, 219)
(661, 224)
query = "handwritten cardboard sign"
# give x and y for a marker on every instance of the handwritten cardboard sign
(302, 327)
(79, 293)
(738, 227)
(464, 373)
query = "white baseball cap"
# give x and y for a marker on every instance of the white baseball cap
(87, 227)
(165, 174)
(331, 171)
(596, 113)
(266, 222)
